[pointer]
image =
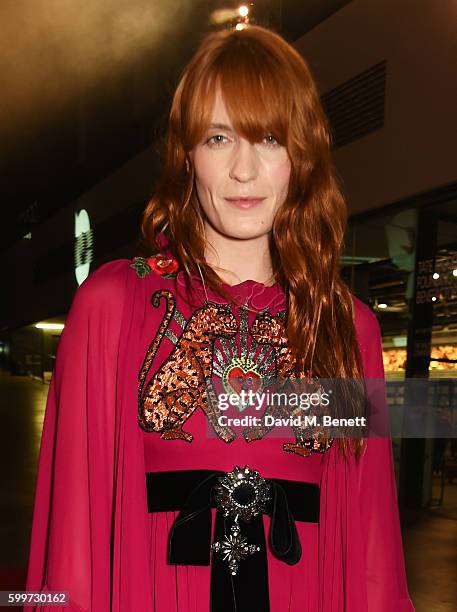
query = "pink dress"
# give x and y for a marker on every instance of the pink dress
(92, 534)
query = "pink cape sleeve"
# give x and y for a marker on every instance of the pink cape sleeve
(72, 521)
(361, 564)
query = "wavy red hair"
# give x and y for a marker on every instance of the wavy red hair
(267, 87)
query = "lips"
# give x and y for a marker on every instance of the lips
(245, 202)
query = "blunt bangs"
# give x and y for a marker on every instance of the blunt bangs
(257, 84)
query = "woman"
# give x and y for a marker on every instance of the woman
(242, 289)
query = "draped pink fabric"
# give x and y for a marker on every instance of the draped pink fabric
(91, 533)
(360, 547)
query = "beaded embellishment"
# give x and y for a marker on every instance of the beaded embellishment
(205, 349)
(254, 367)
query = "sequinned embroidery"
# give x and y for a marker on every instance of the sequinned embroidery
(207, 347)
(178, 388)
(268, 330)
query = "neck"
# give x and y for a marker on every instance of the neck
(236, 260)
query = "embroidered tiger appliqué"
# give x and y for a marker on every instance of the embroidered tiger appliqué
(272, 330)
(178, 387)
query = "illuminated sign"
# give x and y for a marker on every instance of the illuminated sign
(83, 245)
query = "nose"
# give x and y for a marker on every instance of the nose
(244, 164)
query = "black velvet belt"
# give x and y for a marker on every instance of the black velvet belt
(192, 492)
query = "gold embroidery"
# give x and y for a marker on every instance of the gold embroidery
(241, 364)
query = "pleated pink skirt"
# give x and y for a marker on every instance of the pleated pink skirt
(186, 588)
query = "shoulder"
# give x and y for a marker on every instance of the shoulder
(366, 322)
(96, 311)
(106, 288)
(105, 285)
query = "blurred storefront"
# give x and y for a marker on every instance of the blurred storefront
(402, 261)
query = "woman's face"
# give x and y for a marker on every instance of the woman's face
(240, 185)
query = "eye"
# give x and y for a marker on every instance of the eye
(270, 140)
(217, 140)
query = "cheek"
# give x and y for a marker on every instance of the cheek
(280, 176)
(206, 174)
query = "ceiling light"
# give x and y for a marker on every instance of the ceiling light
(51, 326)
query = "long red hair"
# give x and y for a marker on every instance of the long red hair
(267, 87)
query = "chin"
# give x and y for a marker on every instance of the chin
(245, 231)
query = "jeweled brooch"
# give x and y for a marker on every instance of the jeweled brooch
(242, 493)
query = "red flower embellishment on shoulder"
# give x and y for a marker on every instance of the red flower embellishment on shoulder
(164, 265)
